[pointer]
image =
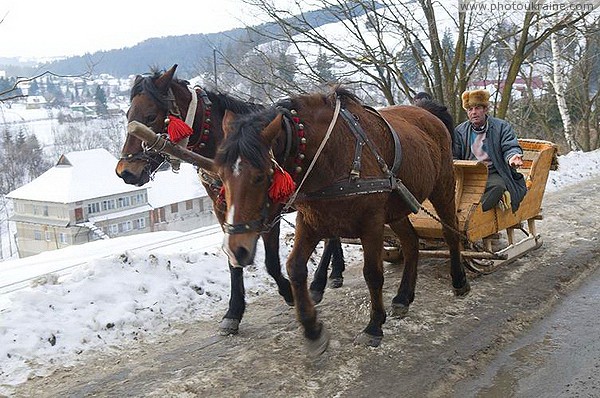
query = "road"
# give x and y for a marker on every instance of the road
(559, 357)
(445, 347)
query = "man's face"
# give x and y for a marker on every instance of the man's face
(476, 115)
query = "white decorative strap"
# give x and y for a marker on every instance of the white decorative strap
(191, 112)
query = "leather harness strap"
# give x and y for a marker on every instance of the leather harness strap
(360, 186)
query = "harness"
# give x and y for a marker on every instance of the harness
(354, 185)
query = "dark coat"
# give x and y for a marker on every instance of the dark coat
(502, 144)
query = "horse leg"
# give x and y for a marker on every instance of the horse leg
(317, 287)
(271, 243)
(445, 208)
(410, 250)
(372, 242)
(237, 303)
(304, 243)
(331, 252)
(338, 264)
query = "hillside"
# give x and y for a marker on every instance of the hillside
(194, 53)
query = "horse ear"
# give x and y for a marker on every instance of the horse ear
(273, 129)
(228, 119)
(164, 81)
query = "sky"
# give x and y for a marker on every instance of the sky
(42, 29)
(106, 295)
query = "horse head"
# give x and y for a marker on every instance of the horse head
(152, 102)
(247, 167)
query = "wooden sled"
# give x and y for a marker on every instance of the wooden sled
(482, 228)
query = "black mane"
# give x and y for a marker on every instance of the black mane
(441, 111)
(245, 140)
(146, 84)
(225, 101)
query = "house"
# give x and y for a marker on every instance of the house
(520, 87)
(81, 199)
(35, 102)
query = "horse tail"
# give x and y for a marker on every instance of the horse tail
(441, 111)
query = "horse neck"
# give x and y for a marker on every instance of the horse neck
(202, 120)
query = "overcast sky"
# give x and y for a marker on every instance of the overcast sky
(48, 28)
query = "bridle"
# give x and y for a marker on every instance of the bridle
(291, 123)
(153, 155)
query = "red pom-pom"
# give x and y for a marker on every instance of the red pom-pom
(178, 129)
(221, 196)
(282, 186)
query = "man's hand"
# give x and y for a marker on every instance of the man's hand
(516, 161)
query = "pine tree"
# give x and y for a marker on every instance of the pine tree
(100, 99)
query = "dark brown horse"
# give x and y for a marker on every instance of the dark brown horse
(158, 96)
(352, 169)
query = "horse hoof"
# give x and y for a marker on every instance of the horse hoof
(462, 291)
(316, 296)
(317, 347)
(335, 283)
(399, 310)
(229, 326)
(368, 340)
(290, 303)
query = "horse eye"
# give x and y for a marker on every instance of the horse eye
(150, 119)
(258, 179)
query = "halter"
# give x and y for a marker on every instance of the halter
(290, 117)
(150, 151)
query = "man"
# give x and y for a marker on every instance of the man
(493, 142)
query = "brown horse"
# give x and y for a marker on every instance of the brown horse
(158, 96)
(343, 190)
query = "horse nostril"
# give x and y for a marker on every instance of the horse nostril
(242, 256)
(128, 177)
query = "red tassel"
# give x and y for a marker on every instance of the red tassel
(221, 196)
(178, 129)
(282, 186)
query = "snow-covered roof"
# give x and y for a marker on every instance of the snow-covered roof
(168, 187)
(84, 175)
(77, 176)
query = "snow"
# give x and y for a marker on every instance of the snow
(106, 295)
(79, 176)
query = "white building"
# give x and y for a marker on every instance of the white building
(81, 199)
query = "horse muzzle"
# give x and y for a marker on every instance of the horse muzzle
(240, 249)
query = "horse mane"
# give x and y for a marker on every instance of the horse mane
(441, 111)
(245, 141)
(145, 84)
(225, 101)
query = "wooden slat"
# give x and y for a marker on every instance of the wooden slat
(471, 178)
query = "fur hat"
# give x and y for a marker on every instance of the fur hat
(475, 98)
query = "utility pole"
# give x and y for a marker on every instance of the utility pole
(215, 68)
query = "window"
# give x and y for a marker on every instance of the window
(48, 236)
(137, 199)
(37, 235)
(189, 204)
(125, 226)
(63, 238)
(46, 211)
(174, 207)
(140, 223)
(113, 229)
(123, 202)
(93, 207)
(108, 204)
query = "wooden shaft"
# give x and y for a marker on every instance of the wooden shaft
(160, 144)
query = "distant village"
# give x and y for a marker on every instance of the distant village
(78, 98)
(80, 198)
